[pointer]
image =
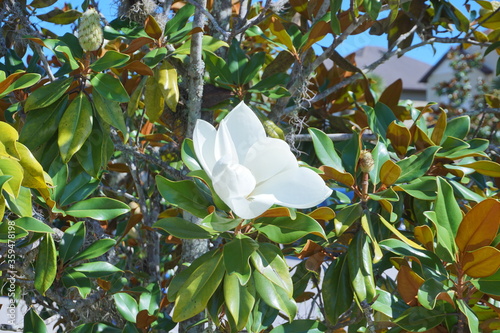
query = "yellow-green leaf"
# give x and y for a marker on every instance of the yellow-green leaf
(482, 262)
(167, 81)
(400, 235)
(281, 34)
(12, 168)
(400, 138)
(33, 172)
(439, 128)
(153, 99)
(479, 226)
(487, 168)
(424, 235)
(75, 127)
(8, 138)
(389, 173)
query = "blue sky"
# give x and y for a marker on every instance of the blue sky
(425, 54)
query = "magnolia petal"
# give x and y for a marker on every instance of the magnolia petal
(204, 145)
(268, 157)
(232, 180)
(250, 208)
(244, 127)
(224, 146)
(296, 188)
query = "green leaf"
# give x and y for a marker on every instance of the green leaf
(182, 229)
(419, 319)
(72, 241)
(379, 118)
(110, 111)
(359, 262)
(21, 206)
(33, 323)
(337, 291)
(372, 8)
(189, 156)
(416, 165)
(252, 67)
(75, 127)
(323, 146)
(428, 293)
(33, 225)
(59, 16)
(380, 156)
(47, 95)
(269, 261)
(46, 264)
(261, 317)
(110, 87)
(446, 217)
(26, 80)
(41, 124)
(237, 255)
(97, 269)
(488, 285)
(300, 326)
(423, 188)
(389, 304)
(42, 3)
(96, 151)
(109, 60)
(346, 217)
(99, 208)
(95, 249)
(126, 306)
(78, 189)
(239, 299)
(183, 194)
(457, 127)
(285, 230)
(153, 57)
(79, 281)
(274, 296)
(220, 224)
(197, 289)
(180, 19)
(472, 320)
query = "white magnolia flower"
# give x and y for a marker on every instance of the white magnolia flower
(251, 172)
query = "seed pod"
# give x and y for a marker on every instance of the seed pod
(90, 33)
(366, 162)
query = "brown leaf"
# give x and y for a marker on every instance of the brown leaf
(424, 235)
(143, 319)
(342, 177)
(152, 28)
(408, 284)
(389, 172)
(479, 226)
(136, 44)
(482, 262)
(309, 249)
(439, 128)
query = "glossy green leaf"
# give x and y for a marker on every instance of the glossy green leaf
(42, 124)
(33, 225)
(179, 20)
(488, 285)
(416, 165)
(380, 156)
(182, 229)
(78, 189)
(72, 241)
(286, 230)
(110, 111)
(419, 319)
(346, 217)
(47, 95)
(154, 100)
(26, 80)
(359, 262)
(239, 299)
(197, 289)
(379, 118)
(301, 326)
(126, 306)
(110, 59)
(389, 304)
(423, 188)
(22, 205)
(96, 269)
(75, 127)
(79, 281)
(46, 264)
(218, 223)
(153, 57)
(429, 291)
(274, 296)
(99, 208)
(457, 127)
(261, 317)
(472, 320)
(96, 249)
(95, 153)
(33, 323)
(183, 194)
(236, 257)
(323, 146)
(336, 290)
(110, 87)
(189, 156)
(269, 261)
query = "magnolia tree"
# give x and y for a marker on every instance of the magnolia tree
(156, 169)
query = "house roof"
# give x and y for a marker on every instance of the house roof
(408, 69)
(485, 69)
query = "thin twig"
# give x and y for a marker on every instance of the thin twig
(225, 34)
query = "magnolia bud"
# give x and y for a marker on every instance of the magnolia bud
(90, 31)
(366, 162)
